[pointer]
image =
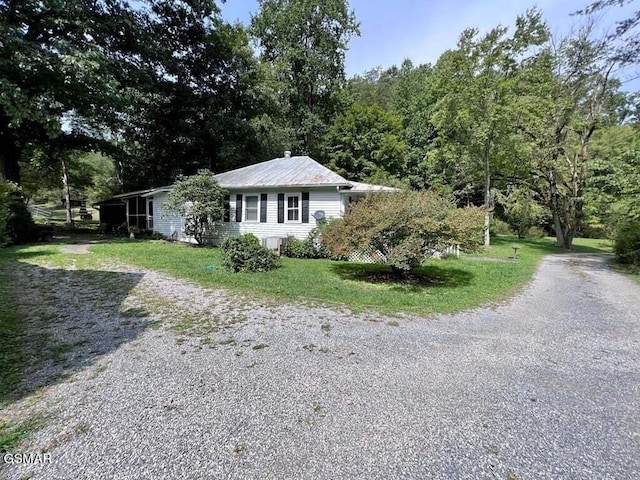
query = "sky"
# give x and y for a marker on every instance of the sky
(421, 30)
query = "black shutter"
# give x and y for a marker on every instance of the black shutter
(227, 208)
(281, 208)
(263, 207)
(305, 207)
(238, 208)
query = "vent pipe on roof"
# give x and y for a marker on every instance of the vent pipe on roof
(287, 154)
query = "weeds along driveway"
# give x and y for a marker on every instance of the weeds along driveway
(162, 379)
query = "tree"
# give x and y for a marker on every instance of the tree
(404, 227)
(60, 67)
(363, 141)
(200, 199)
(475, 89)
(626, 37)
(568, 93)
(612, 190)
(305, 41)
(207, 97)
(521, 210)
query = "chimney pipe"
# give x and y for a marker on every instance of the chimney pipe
(287, 154)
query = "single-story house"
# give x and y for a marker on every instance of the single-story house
(275, 199)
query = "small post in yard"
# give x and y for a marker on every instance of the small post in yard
(515, 251)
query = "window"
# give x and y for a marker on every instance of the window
(251, 208)
(293, 208)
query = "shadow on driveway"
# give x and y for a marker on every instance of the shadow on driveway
(67, 320)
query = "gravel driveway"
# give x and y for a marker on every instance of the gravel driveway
(162, 379)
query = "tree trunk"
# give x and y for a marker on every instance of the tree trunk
(9, 155)
(487, 198)
(67, 192)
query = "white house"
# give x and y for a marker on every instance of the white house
(273, 200)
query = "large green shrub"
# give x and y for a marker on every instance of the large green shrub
(406, 228)
(310, 247)
(245, 254)
(627, 243)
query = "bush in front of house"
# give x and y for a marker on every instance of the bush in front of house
(404, 227)
(627, 243)
(310, 247)
(245, 254)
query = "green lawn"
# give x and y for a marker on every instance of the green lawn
(441, 286)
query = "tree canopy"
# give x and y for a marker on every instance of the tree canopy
(114, 95)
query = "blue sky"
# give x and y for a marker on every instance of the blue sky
(422, 29)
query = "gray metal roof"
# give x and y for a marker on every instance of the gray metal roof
(282, 172)
(359, 187)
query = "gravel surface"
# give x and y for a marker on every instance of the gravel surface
(163, 379)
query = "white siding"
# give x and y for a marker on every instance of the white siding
(168, 223)
(327, 199)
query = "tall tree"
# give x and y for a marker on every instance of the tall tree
(475, 87)
(612, 192)
(195, 107)
(305, 41)
(569, 93)
(55, 69)
(365, 141)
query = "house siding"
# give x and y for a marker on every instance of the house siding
(327, 199)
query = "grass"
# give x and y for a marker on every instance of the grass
(15, 434)
(440, 286)
(11, 349)
(629, 270)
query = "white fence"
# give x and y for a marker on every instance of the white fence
(372, 255)
(37, 211)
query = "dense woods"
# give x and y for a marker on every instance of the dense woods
(107, 96)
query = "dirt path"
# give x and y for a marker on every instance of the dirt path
(143, 376)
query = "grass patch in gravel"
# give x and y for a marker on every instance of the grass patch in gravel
(13, 435)
(440, 286)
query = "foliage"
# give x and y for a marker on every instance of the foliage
(404, 227)
(16, 223)
(200, 200)
(612, 191)
(626, 36)
(310, 247)
(627, 243)
(521, 211)
(6, 190)
(365, 140)
(414, 101)
(535, 232)
(500, 227)
(162, 87)
(568, 93)
(477, 99)
(305, 42)
(58, 67)
(245, 254)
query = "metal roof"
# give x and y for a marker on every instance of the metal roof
(368, 187)
(300, 171)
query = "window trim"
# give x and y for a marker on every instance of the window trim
(287, 209)
(246, 205)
